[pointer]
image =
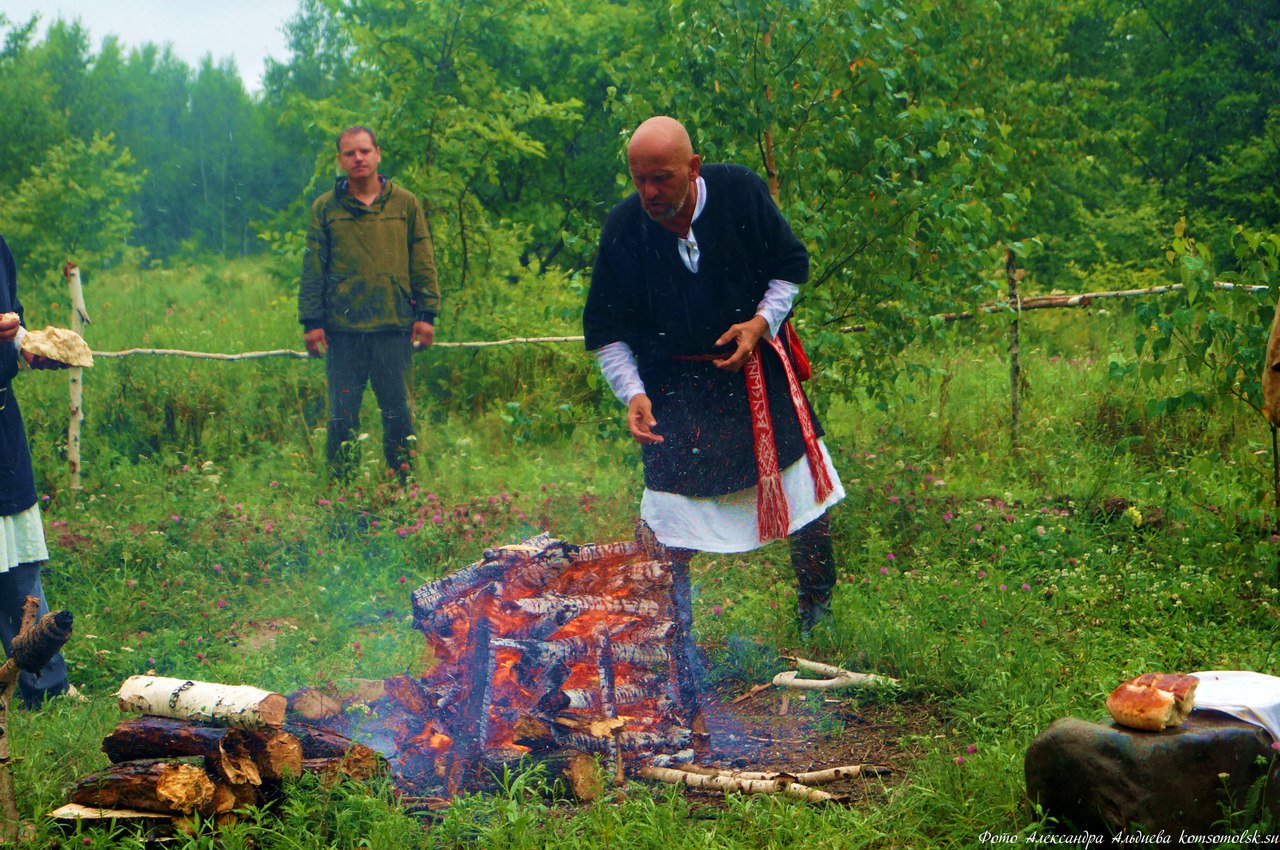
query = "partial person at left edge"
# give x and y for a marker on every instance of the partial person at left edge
(368, 299)
(22, 544)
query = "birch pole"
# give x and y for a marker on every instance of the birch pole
(79, 318)
(1015, 350)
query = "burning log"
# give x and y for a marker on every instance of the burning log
(238, 755)
(784, 787)
(242, 706)
(551, 603)
(153, 786)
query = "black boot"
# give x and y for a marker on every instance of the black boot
(815, 567)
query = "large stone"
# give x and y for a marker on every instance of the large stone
(1111, 780)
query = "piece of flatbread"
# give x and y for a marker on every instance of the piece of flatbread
(1153, 701)
(59, 344)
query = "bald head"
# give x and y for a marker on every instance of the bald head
(661, 134)
(664, 168)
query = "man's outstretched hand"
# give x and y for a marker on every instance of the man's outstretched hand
(745, 335)
(640, 420)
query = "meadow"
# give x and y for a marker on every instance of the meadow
(1006, 588)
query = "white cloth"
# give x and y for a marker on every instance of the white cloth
(22, 539)
(1251, 697)
(727, 524)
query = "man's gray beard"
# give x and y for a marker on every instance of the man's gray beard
(670, 212)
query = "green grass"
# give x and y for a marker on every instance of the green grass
(207, 544)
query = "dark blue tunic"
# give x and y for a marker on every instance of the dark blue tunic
(643, 294)
(17, 484)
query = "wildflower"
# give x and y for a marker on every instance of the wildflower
(977, 526)
(959, 760)
(275, 484)
(971, 749)
(884, 571)
(1004, 587)
(356, 646)
(403, 579)
(1040, 530)
(222, 603)
(891, 557)
(176, 518)
(131, 582)
(1134, 515)
(1026, 586)
(324, 503)
(982, 573)
(717, 610)
(403, 532)
(947, 516)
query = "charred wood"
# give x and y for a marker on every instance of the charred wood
(152, 785)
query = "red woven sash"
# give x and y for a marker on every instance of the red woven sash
(773, 517)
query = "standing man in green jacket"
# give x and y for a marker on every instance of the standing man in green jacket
(368, 295)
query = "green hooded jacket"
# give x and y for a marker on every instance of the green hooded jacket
(368, 268)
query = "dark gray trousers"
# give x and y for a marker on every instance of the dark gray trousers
(384, 360)
(16, 585)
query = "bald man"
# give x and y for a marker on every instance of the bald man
(693, 283)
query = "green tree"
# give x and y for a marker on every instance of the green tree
(74, 205)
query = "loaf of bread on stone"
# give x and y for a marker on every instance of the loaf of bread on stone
(1153, 701)
(59, 344)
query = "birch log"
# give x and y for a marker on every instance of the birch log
(794, 790)
(811, 777)
(241, 706)
(75, 375)
(839, 677)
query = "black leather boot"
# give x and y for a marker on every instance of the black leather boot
(815, 566)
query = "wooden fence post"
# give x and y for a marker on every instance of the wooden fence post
(1015, 367)
(79, 318)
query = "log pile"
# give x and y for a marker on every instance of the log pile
(203, 750)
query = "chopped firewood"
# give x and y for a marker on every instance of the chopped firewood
(783, 787)
(359, 764)
(585, 778)
(34, 645)
(312, 704)
(811, 777)
(74, 812)
(840, 677)
(242, 706)
(749, 694)
(238, 755)
(318, 742)
(153, 785)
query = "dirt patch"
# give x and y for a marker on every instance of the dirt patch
(794, 731)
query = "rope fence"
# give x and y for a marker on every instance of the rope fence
(1014, 304)
(1034, 302)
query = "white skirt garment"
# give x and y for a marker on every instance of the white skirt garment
(22, 539)
(726, 524)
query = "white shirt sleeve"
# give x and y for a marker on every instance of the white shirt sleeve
(776, 303)
(618, 365)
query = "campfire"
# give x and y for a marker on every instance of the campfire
(542, 648)
(565, 654)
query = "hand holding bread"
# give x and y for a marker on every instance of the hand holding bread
(58, 344)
